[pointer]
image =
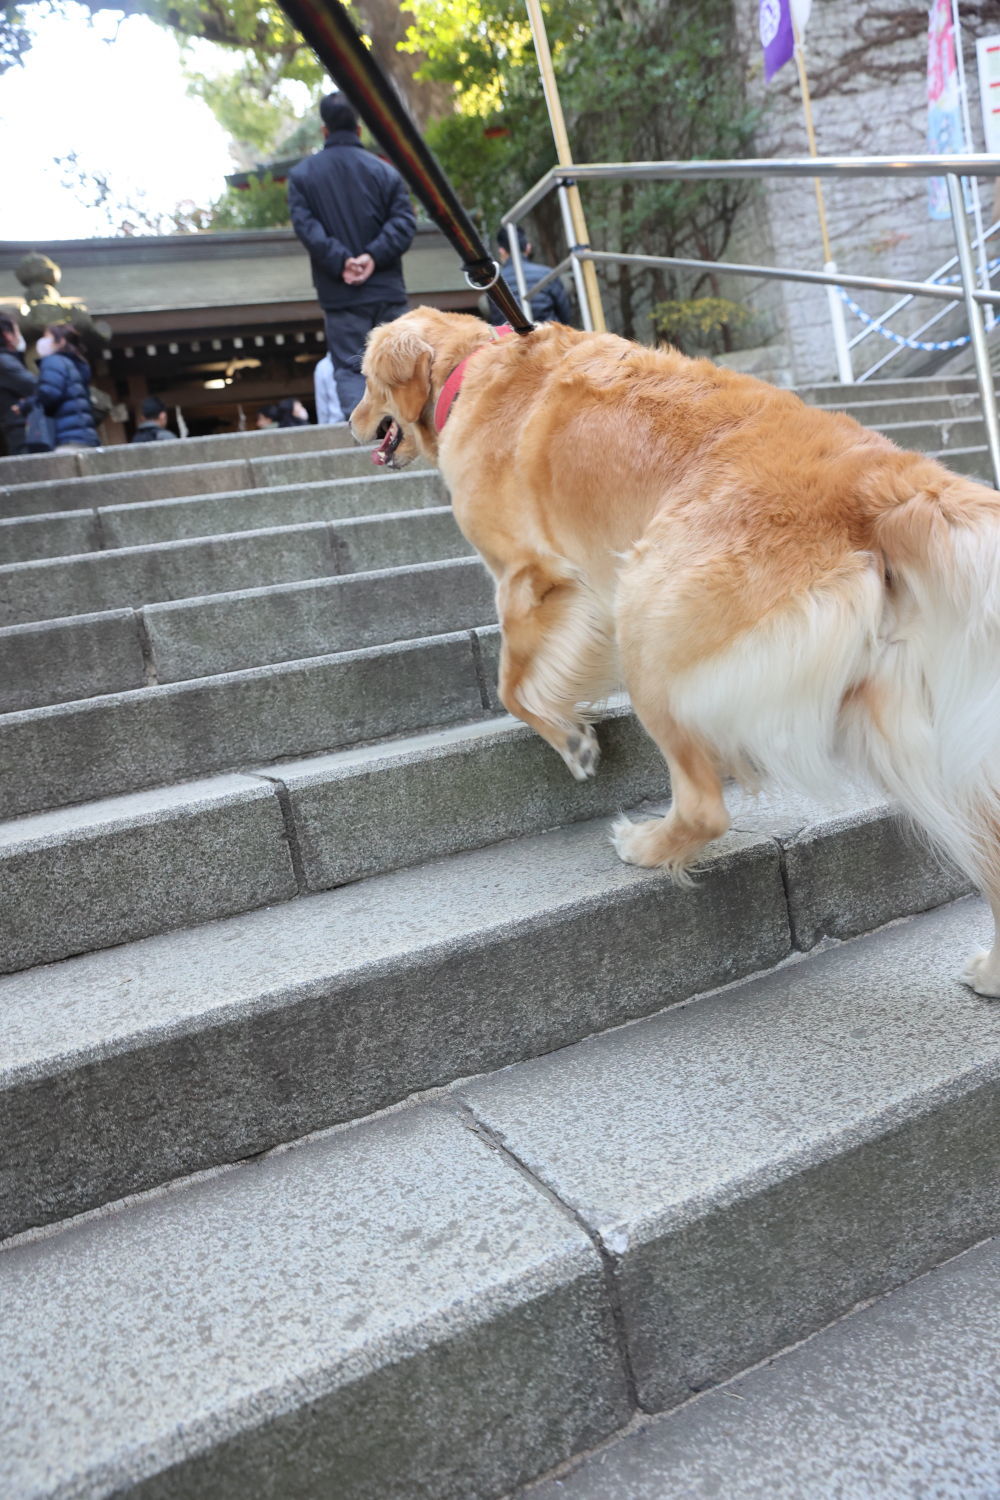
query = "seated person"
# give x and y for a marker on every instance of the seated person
(552, 303)
(287, 413)
(153, 427)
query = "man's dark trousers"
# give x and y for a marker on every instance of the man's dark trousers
(346, 331)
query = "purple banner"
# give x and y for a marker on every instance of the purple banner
(776, 35)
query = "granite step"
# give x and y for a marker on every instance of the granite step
(833, 393)
(386, 1313)
(974, 461)
(26, 537)
(91, 582)
(122, 868)
(81, 656)
(936, 437)
(135, 457)
(305, 1014)
(891, 410)
(757, 1163)
(182, 480)
(898, 1399)
(123, 742)
(454, 1298)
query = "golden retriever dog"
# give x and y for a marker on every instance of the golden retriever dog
(782, 592)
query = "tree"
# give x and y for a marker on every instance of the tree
(127, 215)
(266, 98)
(262, 204)
(638, 80)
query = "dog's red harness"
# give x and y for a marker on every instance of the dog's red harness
(452, 385)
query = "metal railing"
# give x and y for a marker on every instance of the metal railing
(881, 323)
(951, 168)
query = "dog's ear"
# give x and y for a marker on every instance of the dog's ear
(401, 361)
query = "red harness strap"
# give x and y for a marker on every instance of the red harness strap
(451, 387)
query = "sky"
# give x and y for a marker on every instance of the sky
(114, 94)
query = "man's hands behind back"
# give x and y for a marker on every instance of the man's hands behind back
(357, 268)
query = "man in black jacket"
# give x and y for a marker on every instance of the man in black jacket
(16, 382)
(353, 214)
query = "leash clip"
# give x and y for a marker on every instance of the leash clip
(471, 268)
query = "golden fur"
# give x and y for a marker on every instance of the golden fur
(781, 591)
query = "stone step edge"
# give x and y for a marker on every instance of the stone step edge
(324, 799)
(907, 403)
(98, 512)
(213, 466)
(870, 1346)
(891, 429)
(430, 1318)
(273, 444)
(412, 944)
(452, 1111)
(342, 698)
(929, 385)
(760, 1160)
(119, 869)
(136, 620)
(189, 543)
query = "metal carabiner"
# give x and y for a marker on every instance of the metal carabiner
(481, 286)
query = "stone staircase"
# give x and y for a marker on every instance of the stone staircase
(366, 1128)
(942, 417)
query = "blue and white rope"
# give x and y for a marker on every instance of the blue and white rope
(901, 339)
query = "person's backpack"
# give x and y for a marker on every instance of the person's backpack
(145, 434)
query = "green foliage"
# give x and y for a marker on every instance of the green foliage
(704, 324)
(638, 81)
(258, 28)
(265, 118)
(263, 204)
(475, 45)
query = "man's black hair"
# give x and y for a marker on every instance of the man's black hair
(337, 113)
(7, 324)
(504, 241)
(151, 407)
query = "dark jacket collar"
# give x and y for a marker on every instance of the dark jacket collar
(341, 138)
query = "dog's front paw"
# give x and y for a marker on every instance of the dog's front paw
(982, 973)
(582, 752)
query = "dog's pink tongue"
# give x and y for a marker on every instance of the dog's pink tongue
(381, 453)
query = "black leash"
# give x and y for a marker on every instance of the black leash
(330, 32)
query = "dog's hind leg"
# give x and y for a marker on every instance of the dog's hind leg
(557, 657)
(982, 972)
(697, 810)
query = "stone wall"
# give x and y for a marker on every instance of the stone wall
(867, 71)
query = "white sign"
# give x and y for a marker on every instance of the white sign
(988, 57)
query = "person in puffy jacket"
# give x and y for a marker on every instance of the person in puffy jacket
(63, 389)
(551, 304)
(353, 214)
(16, 383)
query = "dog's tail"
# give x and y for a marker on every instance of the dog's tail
(931, 720)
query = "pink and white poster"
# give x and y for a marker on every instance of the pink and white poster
(945, 135)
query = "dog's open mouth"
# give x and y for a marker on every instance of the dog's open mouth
(392, 435)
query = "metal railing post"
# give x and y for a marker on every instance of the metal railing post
(841, 347)
(514, 246)
(579, 280)
(977, 333)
